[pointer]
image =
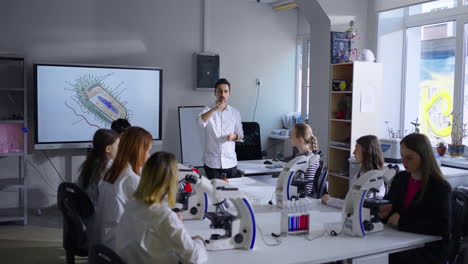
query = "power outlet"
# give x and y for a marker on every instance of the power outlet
(257, 81)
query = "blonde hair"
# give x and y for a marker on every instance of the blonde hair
(158, 179)
(134, 143)
(304, 131)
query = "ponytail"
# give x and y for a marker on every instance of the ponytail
(303, 130)
(313, 143)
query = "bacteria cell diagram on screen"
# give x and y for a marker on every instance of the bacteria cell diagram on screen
(97, 101)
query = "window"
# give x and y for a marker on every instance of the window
(465, 97)
(434, 80)
(433, 6)
(303, 76)
(430, 71)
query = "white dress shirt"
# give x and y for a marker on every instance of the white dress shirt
(220, 153)
(154, 234)
(110, 206)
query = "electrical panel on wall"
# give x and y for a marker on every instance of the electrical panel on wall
(206, 70)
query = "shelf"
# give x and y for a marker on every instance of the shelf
(15, 154)
(340, 120)
(341, 64)
(10, 183)
(341, 92)
(11, 214)
(11, 121)
(340, 148)
(13, 139)
(11, 89)
(339, 176)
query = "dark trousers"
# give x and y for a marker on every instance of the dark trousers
(220, 173)
(431, 253)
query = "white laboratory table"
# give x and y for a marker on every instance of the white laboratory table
(296, 249)
(258, 167)
(455, 176)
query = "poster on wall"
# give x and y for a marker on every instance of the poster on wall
(339, 46)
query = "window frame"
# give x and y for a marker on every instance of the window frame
(303, 86)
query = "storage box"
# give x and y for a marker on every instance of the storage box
(11, 138)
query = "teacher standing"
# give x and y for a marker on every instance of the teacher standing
(223, 126)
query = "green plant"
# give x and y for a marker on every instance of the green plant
(459, 130)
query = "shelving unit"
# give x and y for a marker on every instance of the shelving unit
(13, 137)
(353, 113)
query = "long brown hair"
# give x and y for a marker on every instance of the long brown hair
(96, 160)
(134, 143)
(158, 179)
(304, 131)
(372, 157)
(428, 167)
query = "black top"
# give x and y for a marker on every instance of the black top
(429, 215)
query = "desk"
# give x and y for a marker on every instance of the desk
(258, 167)
(455, 176)
(295, 249)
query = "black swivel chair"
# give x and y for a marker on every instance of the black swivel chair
(76, 207)
(251, 148)
(320, 181)
(459, 226)
(100, 254)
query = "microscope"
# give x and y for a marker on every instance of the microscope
(192, 203)
(360, 213)
(240, 229)
(290, 183)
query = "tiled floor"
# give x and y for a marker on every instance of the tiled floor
(38, 242)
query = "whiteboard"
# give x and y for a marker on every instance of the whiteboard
(192, 135)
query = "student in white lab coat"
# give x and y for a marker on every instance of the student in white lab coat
(304, 140)
(149, 231)
(98, 160)
(368, 155)
(120, 183)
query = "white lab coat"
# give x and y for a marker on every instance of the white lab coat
(110, 206)
(93, 188)
(155, 235)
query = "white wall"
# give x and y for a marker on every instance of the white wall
(319, 94)
(342, 12)
(251, 39)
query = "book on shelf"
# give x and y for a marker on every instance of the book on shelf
(343, 173)
(341, 144)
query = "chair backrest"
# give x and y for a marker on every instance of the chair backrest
(100, 254)
(251, 148)
(76, 207)
(318, 172)
(322, 183)
(459, 224)
(320, 178)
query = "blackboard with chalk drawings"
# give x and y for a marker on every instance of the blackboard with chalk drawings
(192, 136)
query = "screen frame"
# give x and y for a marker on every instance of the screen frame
(87, 144)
